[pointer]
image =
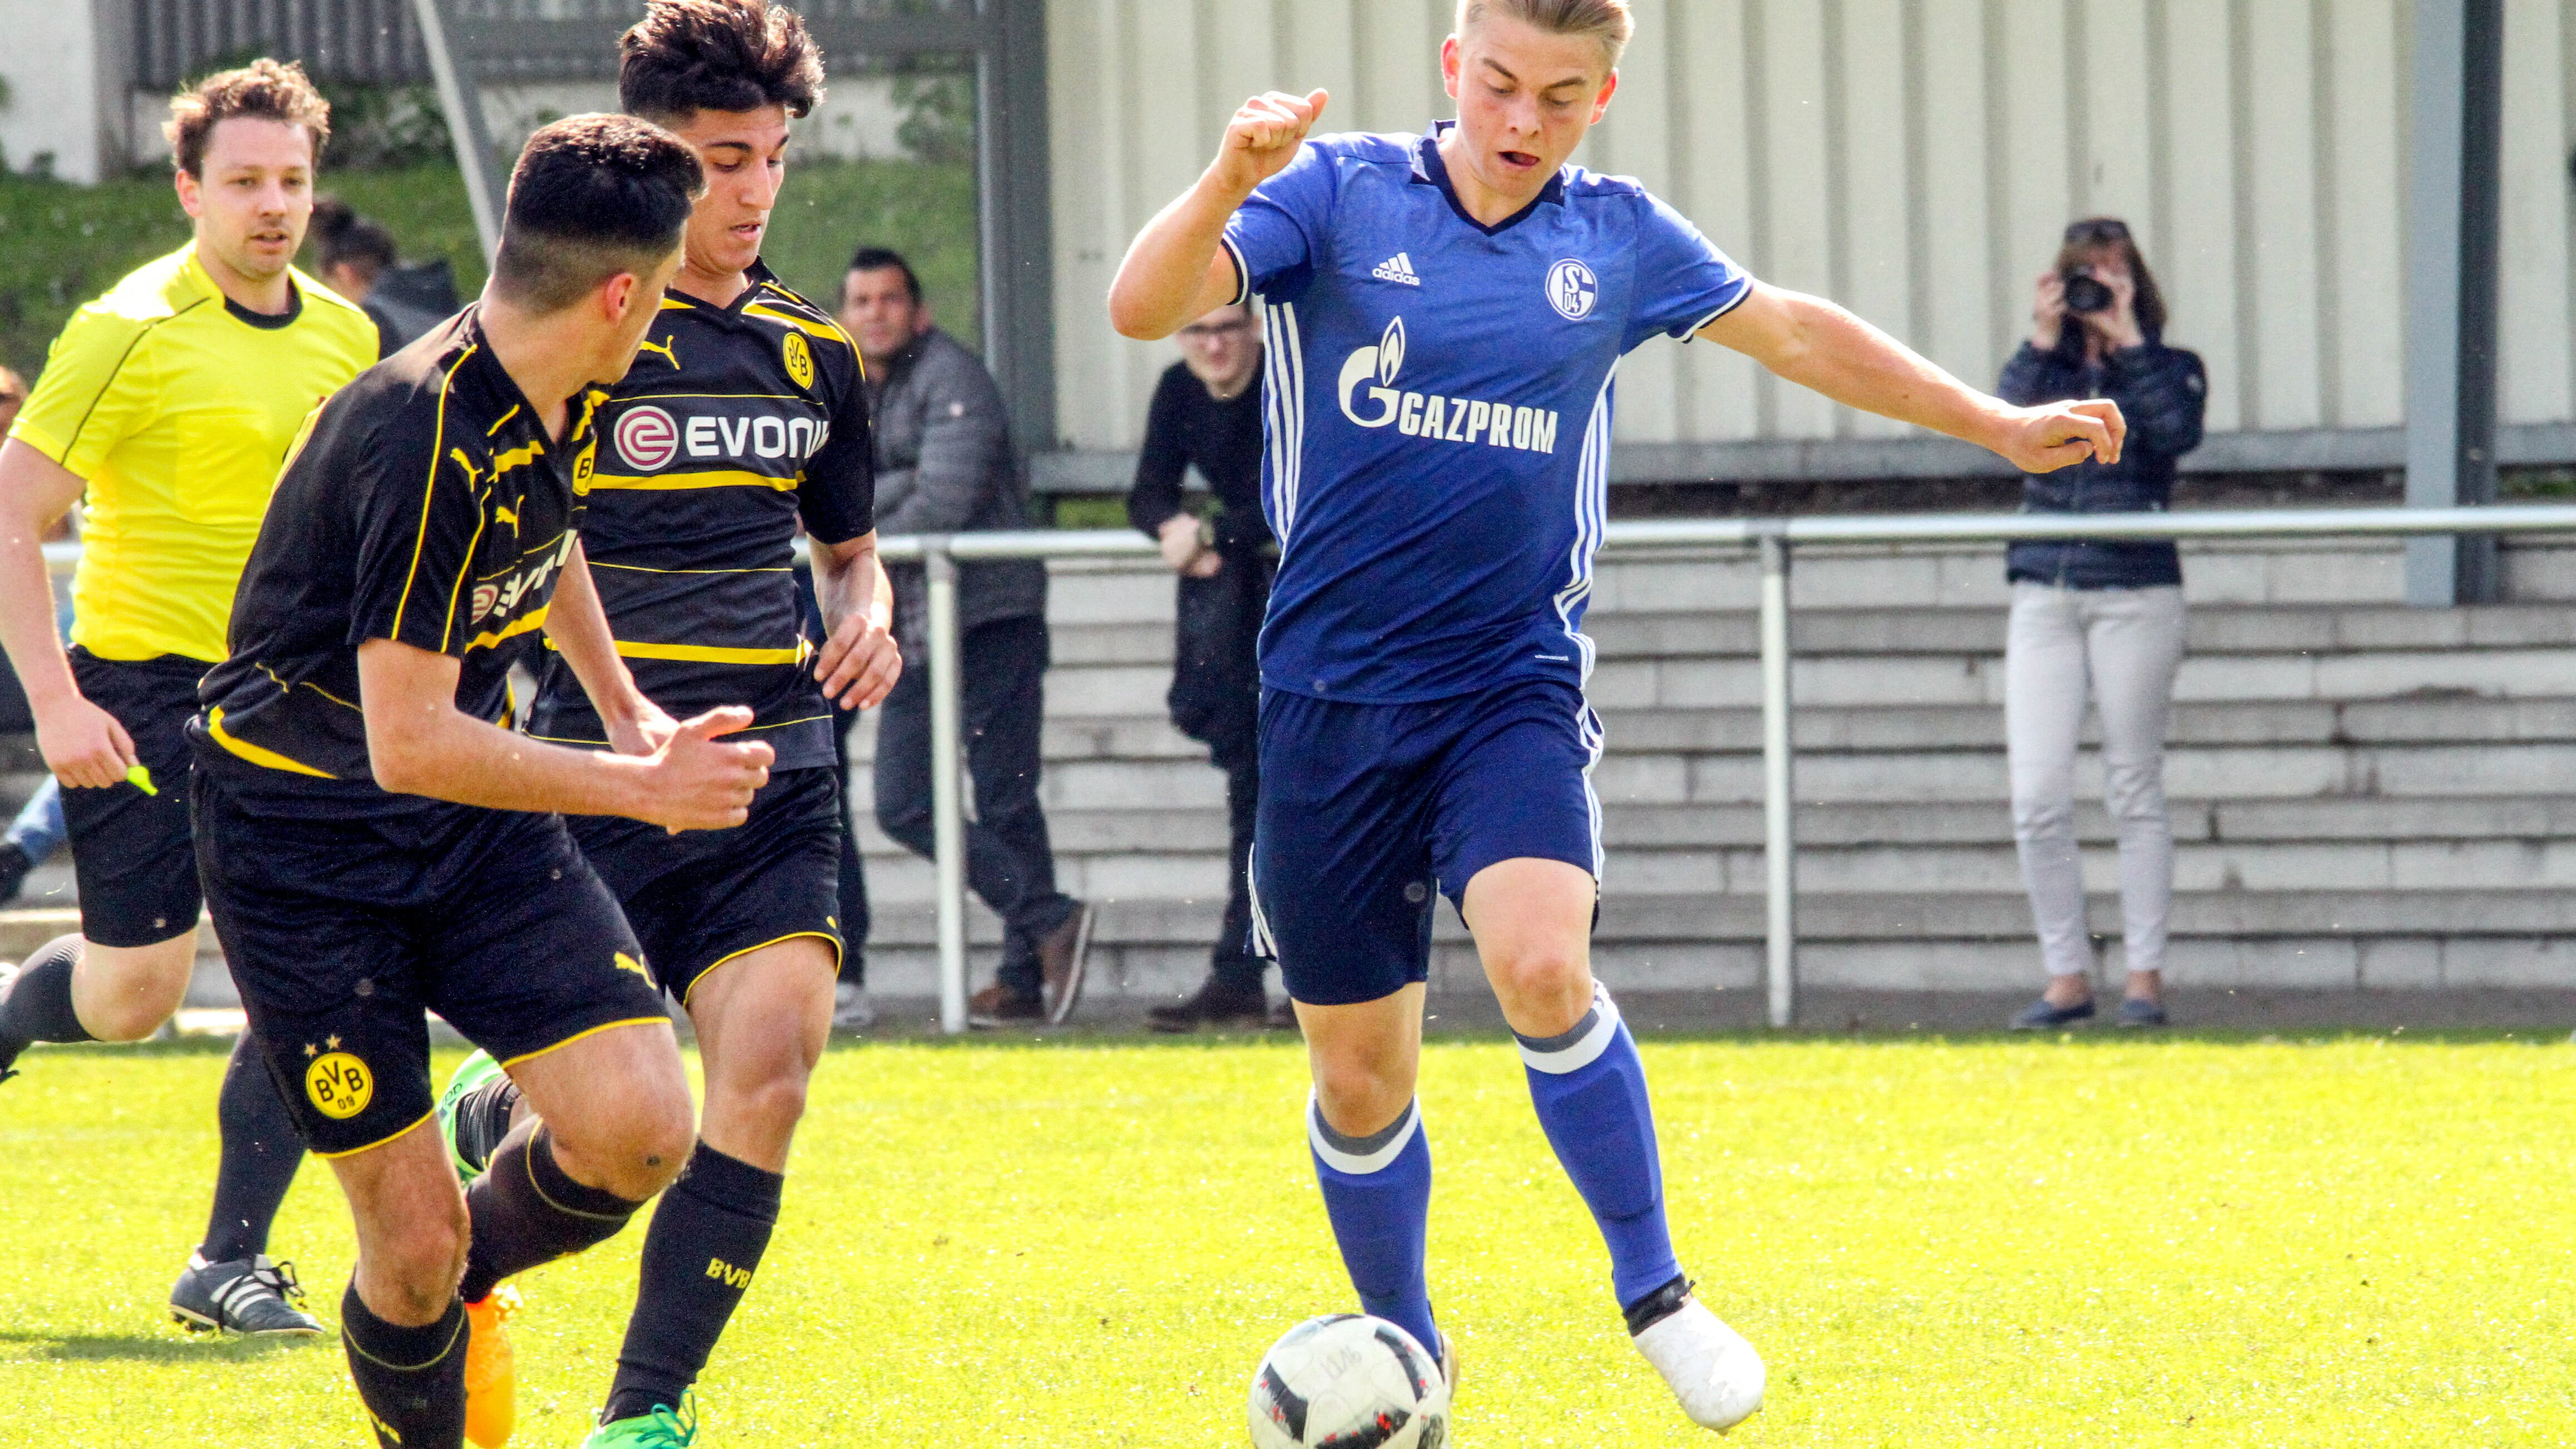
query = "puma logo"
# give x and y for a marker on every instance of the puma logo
(506, 515)
(629, 963)
(669, 351)
(473, 475)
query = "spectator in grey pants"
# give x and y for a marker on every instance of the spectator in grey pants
(944, 465)
(2107, 617)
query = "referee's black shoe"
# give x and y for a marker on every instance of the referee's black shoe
(1218, 1005)
(247, 1296)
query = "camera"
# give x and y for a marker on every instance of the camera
(2086, 293)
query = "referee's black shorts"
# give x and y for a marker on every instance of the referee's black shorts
(704, 897)
(339, 932)
(133, 853)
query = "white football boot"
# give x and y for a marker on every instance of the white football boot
(1711, 1368)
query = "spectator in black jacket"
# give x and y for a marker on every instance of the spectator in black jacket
(1207, 415)
(2107, 615)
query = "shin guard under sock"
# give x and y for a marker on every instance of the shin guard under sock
(412, 1380)
(699, 1256)
(1590, 1089)
(527, 1210)
(39, 1004)
(260, 1154)
(1377, 1191)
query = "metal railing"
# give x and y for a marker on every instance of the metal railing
(1776, 539)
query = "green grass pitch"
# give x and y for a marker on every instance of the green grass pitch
(2193, 1242)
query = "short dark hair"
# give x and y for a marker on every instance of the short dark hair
(687, 56)
(879, 259)
(262, 90)
(341, 236)
(591, 197)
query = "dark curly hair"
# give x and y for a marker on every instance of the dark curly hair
(687, 56)
(593, 196)
(262, 90)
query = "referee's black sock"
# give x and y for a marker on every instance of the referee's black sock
(699, 1256)
(39, 1004)
(527, 1210)
(258, 1159)
(412, 1380)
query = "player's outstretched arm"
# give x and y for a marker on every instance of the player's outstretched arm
(82, 744)
(1816, 344)
(577, 625)
(420, 743)
(1176, 271)
(860, 661)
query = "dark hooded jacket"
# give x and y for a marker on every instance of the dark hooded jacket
(2162, 392)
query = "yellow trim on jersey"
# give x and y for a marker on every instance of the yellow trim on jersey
(711, 967)
(505, 417)
(674, 482)
(428, 490)
(640, 569)
(577, 1036)
(711, 654)
(258, 754)
(825, 330)
(504, 462)
(379, 1142)
(535, 619)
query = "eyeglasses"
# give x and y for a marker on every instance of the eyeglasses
(1197, 333)
(2097, 231)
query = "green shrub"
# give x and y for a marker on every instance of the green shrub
(61, 244)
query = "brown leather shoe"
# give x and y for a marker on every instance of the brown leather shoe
(997, 1005)
(1062, 954)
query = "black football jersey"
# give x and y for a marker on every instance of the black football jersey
(734, 423)
(424, 504)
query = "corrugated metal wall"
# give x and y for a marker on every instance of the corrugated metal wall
(1914, 158)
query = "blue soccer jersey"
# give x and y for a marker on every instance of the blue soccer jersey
(1438, 412)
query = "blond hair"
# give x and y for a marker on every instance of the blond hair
(1607, 21)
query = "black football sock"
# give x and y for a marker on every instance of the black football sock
(39, 1004)
(412, 1380)
(260, 1154)
(527, 1210)
(705, 1243)
(483, 1120)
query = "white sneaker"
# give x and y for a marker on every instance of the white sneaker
(851, 1008)
(1712, 1370)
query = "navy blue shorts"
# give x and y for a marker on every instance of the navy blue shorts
(1367, 810)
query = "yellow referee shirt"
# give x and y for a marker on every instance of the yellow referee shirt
(177, 407)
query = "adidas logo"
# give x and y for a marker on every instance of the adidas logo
(1397, 269)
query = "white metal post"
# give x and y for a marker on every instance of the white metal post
(947, 807)
(462, 100)
(1779, 781)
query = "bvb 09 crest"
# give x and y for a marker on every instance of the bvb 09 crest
(339, 1084)
(800, 359)
(583, 465)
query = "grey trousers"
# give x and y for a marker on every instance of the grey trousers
(2125, 644)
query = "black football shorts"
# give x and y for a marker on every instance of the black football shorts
(132, 852)
(703, 897)
(340, 932)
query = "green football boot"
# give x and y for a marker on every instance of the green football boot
(474, 1074)
(664, 1428)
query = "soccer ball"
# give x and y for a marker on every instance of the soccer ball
(1349, 1382)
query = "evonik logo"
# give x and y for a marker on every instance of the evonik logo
(651, 439)
(504, 595)
(1433, 416)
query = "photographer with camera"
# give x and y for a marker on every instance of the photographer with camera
(2108, 616)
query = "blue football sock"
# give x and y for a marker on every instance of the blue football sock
(1590, 1088)
(1377, 1191)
